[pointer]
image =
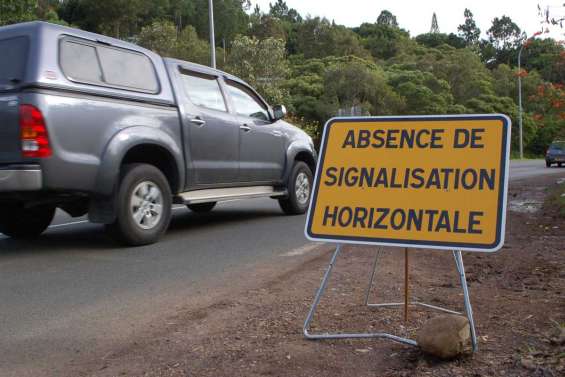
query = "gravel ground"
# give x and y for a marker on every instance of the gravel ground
(252, 324)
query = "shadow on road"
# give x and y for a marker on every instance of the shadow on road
(92, 236)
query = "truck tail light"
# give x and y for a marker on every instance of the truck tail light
(33, 133)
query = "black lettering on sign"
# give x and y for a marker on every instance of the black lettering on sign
(330, 173)
(383, 213)
(464, 138)
(436, 138)
(349, 139)
(476, 137)
(403, 219)
(461, 138)
(474, 222)
(379, 141)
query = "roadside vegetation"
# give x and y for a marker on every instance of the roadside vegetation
(556, 199)
(320, 69)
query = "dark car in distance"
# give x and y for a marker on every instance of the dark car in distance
(95, 125)
(555, 154)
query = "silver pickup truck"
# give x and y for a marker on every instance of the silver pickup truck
(94, 125)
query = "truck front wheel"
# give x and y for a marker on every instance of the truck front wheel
(17, 221)
(143, 205)
(299, 190)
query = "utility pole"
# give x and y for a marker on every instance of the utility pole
(212, 38)
(520, 102)
(435, 27)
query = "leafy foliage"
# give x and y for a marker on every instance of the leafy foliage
(469, 30)
(318, 68)
(261, 62)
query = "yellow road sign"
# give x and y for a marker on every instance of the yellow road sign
(420, 181)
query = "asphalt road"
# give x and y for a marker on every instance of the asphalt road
(532, 168)
(74, 291)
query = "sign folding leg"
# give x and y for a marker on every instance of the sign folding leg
(468, 310)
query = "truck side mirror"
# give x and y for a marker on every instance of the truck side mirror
(279, 112)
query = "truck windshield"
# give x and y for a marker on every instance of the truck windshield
(13, 62)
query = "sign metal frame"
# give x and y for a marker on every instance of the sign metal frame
(502, 195)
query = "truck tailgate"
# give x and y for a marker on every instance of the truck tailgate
(10, 144)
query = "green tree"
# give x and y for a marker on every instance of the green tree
(262, 64)
(545, 56)
(437, 39)
(280, 10)
(317, 37)
(422, 92)
(466, 75)
(361, 85)
(162, 37)
(117, 18)
(383, 41)
(469, 30)
(504, 35)
(387, 18)
(489, 104)
(266, 26)
(504, 81)
(548, 108)
(14, 11)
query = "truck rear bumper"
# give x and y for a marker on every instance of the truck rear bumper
(20, 178)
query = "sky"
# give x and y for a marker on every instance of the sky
(416, 16)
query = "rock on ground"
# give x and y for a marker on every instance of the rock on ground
(446, 336)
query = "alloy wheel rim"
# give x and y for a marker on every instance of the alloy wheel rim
(302, 188)
(146, 205)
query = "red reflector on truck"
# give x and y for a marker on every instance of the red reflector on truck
(33, 133)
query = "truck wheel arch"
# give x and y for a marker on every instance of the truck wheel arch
(299, 152)
(134, 144)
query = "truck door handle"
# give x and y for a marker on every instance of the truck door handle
(276, 133)
(245, 128)
(198, 121)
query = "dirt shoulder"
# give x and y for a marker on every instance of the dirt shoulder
(255, 328)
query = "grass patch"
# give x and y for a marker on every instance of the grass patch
(515, 155)
(556, 199)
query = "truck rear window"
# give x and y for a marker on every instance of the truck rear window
(107, 66)
(13, 62)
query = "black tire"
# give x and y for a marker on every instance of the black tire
(560, 164)
(292, 204)
(201, 207)
(150, 226)
(547, 164)
(16, 221)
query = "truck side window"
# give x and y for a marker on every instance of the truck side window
(203, 90)
(90, 63)
(14, 59)
(129, 69)
(246, 103)
(79, 62)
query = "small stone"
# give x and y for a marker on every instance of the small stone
(528, 363)
(559, 339)
(446, 336)
(362, 350)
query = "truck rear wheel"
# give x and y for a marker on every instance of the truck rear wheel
(16, 221)
(143, 205)
(299, 190)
